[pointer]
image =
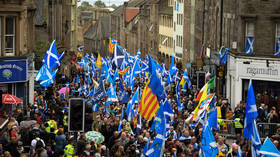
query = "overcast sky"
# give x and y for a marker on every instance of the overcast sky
(107, 2)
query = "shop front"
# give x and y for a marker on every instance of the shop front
(13, 78)
(263, 71)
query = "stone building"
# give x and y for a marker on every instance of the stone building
(130, 26)
(16, 27)
(96, 38)
(165, 38)
(57, 20)
(16, 47)
(216, 23)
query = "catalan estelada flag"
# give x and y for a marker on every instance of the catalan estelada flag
(112, 44)
(98, 61)
(124, 71)
(148, 104)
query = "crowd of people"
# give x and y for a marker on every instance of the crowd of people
(41, 129)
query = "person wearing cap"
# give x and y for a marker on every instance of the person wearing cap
(69, 149)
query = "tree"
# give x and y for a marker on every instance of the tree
(41, 47)
(100, 4)
(114, 6)
(84, 5)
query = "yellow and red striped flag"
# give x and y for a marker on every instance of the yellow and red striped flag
(148, 104)
(98, 61)
(111, 46)
(124, 71)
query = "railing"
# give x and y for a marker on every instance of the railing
(227, 128)
(267, 129)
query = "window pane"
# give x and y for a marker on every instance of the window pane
(278, 30)
(10, 25)
(250, 29)
(9, 42)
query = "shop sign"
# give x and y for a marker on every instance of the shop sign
(259, 71)
(12, 71)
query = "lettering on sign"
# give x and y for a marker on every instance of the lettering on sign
(262, 71)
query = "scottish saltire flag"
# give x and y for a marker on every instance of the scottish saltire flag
(250, 114)
(179, 104)
(209, 147)
(49, 80)
(51, 58)
(117, 59)
(136, 70)
(249, 49)
(156, 84)
(60, 56)
(130, 107)
(177, 5)
(43, 74)
(277, 47)
(256, 142)
(268, 149)
(187, 79)
(173, 69)
(112, 96)
(144, 66)
(80, 48)
(223, 54)
(120, 125)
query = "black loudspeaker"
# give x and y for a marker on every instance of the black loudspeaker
(76, 115)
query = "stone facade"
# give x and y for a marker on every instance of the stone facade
(57, 20)
(16, 27)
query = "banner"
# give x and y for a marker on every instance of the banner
(13, 71)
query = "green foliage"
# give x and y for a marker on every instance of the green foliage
(84, 6)
(114, 6)
(100, 4)
(41, 47)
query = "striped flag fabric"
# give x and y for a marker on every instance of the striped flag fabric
(112, 43)
(98, 61)
(148, 104)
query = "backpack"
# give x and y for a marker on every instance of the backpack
(39, 144)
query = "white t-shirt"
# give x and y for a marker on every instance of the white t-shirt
(34, 142)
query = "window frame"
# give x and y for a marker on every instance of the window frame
(7, 53)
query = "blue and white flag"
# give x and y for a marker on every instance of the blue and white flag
(250, 114)
(136, 70)
(95, 108)
(187, 79)
(43, 74)
(117, 59)
(130, 107)
(51, 57)
(209, 146)
(249, 49)
(277, 47)
(112, 96)
(268, 149)
(213, 119)
(99, 94)
(239, 153)
(49, 80)
(80, 48)
(156, 148)
(223, 54)
(179, 104)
